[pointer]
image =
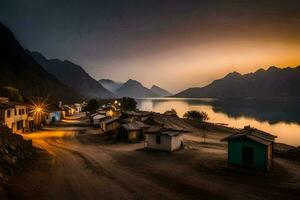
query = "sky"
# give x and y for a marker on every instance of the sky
(175, 44)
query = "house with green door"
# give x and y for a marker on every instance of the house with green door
(251, 148)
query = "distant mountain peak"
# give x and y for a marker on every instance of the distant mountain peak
(160, 91)
(233, 74)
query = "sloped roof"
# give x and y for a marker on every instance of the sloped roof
(110, 120)
(254, 135)
(137, 125)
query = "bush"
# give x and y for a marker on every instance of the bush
(196, 115)
(171, 112)
(128, 104)
(12, 93)
(92, 106)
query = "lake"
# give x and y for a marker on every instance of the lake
(280, 117)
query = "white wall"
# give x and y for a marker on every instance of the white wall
(167, 143)
(176, 142)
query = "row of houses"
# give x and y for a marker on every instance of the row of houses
(21, 117)
(248, 147)
(136, 126)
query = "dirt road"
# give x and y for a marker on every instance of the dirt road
(84, 166)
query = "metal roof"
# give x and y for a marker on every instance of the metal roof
(254, 135)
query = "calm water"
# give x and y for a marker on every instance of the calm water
(280, 117)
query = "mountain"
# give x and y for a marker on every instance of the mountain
(20, 70)
(134, 89)
(110, 85)
(159, 91)
(73, 76)
(271, 83)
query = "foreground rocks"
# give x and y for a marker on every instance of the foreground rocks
(15, 152)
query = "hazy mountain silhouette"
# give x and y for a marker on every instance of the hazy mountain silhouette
(271, 83)
(110, 85)
(20, 70)
(159, 91)
(74, 76)
(135, 89)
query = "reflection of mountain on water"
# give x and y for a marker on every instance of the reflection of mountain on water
(270, 110)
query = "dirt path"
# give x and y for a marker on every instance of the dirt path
(81, 167)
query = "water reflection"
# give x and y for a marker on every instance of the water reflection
(277, 116)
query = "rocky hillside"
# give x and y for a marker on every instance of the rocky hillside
(14, 153)
(73, 76)
(271, 83)
(20, 70)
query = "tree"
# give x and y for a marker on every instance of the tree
(196, 115)
(12, 93)
(128, 104)
(92, 106)
(171, 112)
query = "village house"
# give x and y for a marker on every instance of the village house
(134, 131)
(16, 116)
(110, 125)
(96, 118)
(53, 115)
(164, 139)
(251, 148)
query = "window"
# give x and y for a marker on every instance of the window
(157, 139)
(23, 111)
(20, 112)
(8, 113)
(15, 111)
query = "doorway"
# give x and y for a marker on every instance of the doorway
(248, 156)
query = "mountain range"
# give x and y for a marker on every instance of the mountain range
(20, 70)
(110, 85)
(133, 88)
(73, 76)
(271, 83)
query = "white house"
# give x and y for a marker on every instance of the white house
(16, 117)
(78, 107)
(164, 139)
(53, 116)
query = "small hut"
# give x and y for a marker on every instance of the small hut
(251, 148)
(163, 139)
(134, 131)
(110, 125)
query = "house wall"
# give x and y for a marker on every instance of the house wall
(135, 135)
(17, 121)
(176, 142)
(112, 126)
(260, 151)
(165, 142)
(56, 115)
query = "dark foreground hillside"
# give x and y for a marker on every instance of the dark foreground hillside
(19, 70)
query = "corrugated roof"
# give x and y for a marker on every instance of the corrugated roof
(110, 120)
(254, 135)
(137, 125)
